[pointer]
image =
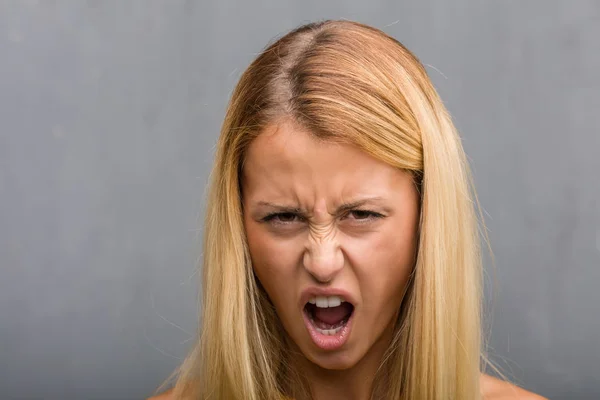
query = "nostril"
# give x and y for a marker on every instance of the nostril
(323, 265)
(324, 258)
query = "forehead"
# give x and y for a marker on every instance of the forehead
(287, 162)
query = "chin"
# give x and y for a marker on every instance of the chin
(338, 362)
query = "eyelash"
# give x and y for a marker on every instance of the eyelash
(371, 215)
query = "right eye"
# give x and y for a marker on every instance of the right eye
(281, 218)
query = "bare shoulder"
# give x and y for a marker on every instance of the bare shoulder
(496, 389)
(168, 395)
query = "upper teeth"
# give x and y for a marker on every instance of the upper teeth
(326, 301)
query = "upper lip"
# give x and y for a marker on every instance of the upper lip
(314, 291)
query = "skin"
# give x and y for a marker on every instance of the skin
(319, 244)
(293, 187)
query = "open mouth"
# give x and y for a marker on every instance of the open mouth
(328, 320)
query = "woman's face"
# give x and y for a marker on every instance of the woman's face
(332, 237)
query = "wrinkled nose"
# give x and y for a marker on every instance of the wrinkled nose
(323, 260)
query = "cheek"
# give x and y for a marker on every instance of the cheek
(383, 264)
(273, 262)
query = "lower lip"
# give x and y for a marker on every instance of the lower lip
(328, 342)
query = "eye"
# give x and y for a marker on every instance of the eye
(364, 215)
(281, 218)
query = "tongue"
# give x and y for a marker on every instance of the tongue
(333, 315)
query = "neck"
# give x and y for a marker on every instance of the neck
(354, 383)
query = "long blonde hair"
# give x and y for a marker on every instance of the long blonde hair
(348, 82)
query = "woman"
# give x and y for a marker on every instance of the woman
(341, 256)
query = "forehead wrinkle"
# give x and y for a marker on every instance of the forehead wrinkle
(295, 191)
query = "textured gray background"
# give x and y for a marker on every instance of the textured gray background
(109, 111)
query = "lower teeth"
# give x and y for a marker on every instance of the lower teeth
(328, 332)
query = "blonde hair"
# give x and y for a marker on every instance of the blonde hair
(347, 82)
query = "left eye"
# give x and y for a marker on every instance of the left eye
(361, 215)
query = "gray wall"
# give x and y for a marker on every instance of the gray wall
(109, 111)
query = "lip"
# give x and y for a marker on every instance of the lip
(310, 292)
(327, 342)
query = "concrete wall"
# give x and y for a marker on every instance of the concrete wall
(109, 111)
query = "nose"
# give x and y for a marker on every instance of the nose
(323, 260)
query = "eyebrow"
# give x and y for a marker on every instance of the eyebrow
(342, 208)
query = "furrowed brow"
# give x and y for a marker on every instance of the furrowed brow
(341, 209)
(279, 207)
(376, 200)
